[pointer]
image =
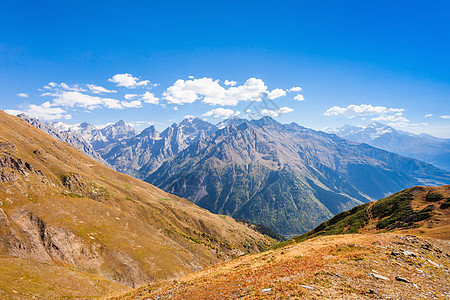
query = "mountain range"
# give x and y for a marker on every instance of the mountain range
(283, 176)
(435, 151)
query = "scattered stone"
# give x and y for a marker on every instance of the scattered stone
(377, 276)
(433, 263)
(401, 279)
(393, 253)
(307, 287)
(266, 290)
(409, 253)
(372, 291)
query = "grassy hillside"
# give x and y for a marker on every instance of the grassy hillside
(61, 209)
(418, 210)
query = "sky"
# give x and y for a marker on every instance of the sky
(321, 64)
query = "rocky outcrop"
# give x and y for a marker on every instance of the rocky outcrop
(30, 237)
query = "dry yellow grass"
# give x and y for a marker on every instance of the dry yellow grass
(331, 267)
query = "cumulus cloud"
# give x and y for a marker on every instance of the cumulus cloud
(276, 93)
(150, 98)
(130, 96)
(295, 89)
(131, 104)
(96, 89)
(276, 113)
(395, 118)
(77, 99)
(45, 111)
(428, 115)
(361, 110)
(299, 97)
(230, 82)
(392, 116)
(64, 86)
(220, 113)
(188, 116)
(128, 81)
(446, 117)
(23, 95)
(211, 92)
(13, 112)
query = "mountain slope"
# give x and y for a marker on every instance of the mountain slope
(435, 151)
(374, 264)
(286, 177)
(61, 208)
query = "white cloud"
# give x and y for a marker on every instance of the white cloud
(130, 96)
(446, 117)
(175, 108)
(13, 112)
(191, 77)
(150, 98)
(45, 111)
(276, 113)
(428, 115)
(128, 81)
(295, 89)
(395, 118)
(64, 86)
(96, 89)
(23, 95)
(285, 110)
(220, 113)
(276, 93)
(392, 116)
(360, 110)
(230, 82)
(211, 92)
(299, 97)
(131, 104)
(76, 99)
(188, 116)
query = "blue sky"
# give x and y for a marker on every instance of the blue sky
(354, 61)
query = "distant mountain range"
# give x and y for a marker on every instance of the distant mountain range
(430, 149)
(283, 176)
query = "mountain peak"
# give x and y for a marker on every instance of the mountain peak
(121, 123)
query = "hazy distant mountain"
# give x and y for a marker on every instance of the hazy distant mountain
(144, 153)
(65, 136)
(435, 151)
(286, 177)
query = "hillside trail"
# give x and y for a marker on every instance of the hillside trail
(371, 225)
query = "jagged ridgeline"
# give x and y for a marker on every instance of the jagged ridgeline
(69, 226)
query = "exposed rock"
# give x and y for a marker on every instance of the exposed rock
(377, 276)
(401, 279)
(310, 288)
